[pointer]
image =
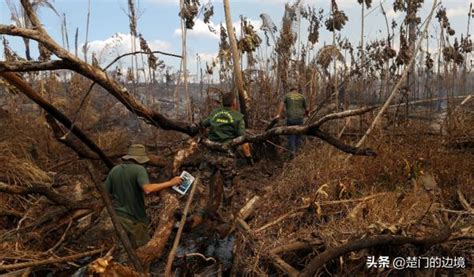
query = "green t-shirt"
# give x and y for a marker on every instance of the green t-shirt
(225, 124)
(125, 184)
(295, 105)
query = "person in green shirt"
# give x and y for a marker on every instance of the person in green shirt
(225, 123)
(296, 109)
(127, 183)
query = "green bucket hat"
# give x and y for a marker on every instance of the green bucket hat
(137, 152)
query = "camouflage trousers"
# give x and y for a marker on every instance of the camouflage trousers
(219, 161)
(219, 171)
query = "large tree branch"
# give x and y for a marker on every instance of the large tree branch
(309, 130)
(45, 190)
(374, 241)
(86, 153)
(97, 75)
(25, 66)
(26, 89)
(342, 114)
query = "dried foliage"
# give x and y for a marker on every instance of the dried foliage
(285, 42)
(153, 61)
(208, 12)
(428, 62)
(189, 11)
(400, 192)
(250, 41)
(410, 7)
(327, 54)
(453, 54)
(18, 169)
(466, 44)
(443, 20)
(315, 19)
(132, 18)
(337, 20)
(368, 3)
(404, 55)
(224, 54)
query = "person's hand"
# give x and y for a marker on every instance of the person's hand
(177, 181)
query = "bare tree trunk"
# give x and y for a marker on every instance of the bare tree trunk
(411, 15)
(243, 96)
(86, 47)
(336, 91)
(185, 66)
(362, 53)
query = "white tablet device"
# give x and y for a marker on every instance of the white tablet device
(188, 180)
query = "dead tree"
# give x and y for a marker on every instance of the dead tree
(243, 96)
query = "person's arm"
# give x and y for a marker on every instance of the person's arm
(280, 110)
(144, 182)
(149, 188)
(305, 106)
(241, 127)
(246, 146)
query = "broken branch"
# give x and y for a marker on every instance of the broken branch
(378, 240)
(51, 261)
(44, 190)
(25, 66)
(169, 263)
(26, 89)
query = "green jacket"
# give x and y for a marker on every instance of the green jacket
(125, 184)
(225, 124)
(295, 105)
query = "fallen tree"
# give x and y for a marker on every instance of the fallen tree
(368, 242)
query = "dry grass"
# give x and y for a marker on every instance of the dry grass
(16, 150)
(409, 203)
(17, 170)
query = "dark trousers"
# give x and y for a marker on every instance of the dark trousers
(294, 141)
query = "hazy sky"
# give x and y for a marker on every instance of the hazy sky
(159, 23)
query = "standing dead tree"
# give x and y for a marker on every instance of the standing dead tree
(243, 96)
(402, 79)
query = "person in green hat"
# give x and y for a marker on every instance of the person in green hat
(296, 109)
(127, 183)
